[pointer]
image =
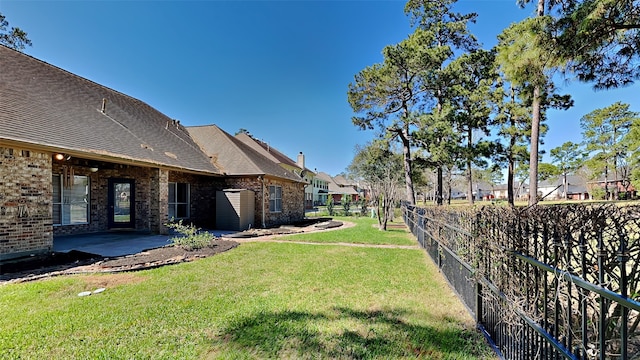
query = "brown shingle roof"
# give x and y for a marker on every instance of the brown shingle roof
(43, 105)
(234, 157)
(266, 150)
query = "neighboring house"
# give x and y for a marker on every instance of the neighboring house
(613, 186)
(338, 188)
(307, 176)
(320, 190)
(554, 189)
(457, 194)
(520, 192)
(483, 191)
(77, 157)
(278, 191)
(500, 191)
(348, 187)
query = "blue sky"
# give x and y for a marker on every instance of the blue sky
(279, 69)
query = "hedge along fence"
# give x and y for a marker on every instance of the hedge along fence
(542, 282)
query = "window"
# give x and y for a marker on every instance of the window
(70, 200)
(178, 201)
(275, 198)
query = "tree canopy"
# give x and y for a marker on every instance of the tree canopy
(12, 37)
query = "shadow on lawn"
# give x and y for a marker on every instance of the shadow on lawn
(346, 334)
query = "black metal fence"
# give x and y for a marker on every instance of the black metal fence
(547, 282)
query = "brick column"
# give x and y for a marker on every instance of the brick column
(159, 201)
(25, 203)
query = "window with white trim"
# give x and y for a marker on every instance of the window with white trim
(70, 200)
(179, 200)
(275, 198)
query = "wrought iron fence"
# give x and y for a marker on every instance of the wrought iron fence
(547, 282)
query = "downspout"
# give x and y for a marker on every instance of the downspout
(261, 178)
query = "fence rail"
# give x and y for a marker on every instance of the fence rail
(546, 282)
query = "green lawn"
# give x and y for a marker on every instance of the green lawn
(365, 232)
(260, 300)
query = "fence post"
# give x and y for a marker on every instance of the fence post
(624, 311)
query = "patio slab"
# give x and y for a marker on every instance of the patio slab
(114, 243)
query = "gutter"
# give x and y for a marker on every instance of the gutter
(261, 178)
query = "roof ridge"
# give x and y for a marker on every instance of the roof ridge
(229, 139)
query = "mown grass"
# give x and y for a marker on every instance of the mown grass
(260, 300)
(365, 231)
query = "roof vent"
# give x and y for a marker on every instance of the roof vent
(104, 105)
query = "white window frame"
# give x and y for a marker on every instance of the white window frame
(67, 206)
(275, 198)
(174, 203)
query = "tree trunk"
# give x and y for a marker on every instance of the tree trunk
(406, 148)
(535, 132)
(606, 183)
(565, 186)
(439, 186)
(511, 161)
(470, 198)
(510, 176)
(469, 174)
(535, 140)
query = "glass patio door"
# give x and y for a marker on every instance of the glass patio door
(121, 203)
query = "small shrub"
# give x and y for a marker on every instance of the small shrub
(598, 193)
(346, 205)
(363, 208)
(330, 206)
(191, 237)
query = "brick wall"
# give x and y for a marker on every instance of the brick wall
(99, 194)
(292, 199)
(26, 195)
(159, 193)
(25, 202)
(203, 197)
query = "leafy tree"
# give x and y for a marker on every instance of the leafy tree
(633, 142)
(604, 132)
(381, 169)
(363, 207)
(12, 37)
(492, 175)
(512, 118)
(471, 96)
(387, 95)
(547, 171)
(330, 205)
(346, 204)
(568, 158)
(438, 136)
(521, 176)
(600, 40)
(526, 57)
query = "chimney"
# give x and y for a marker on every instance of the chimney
(300, 161)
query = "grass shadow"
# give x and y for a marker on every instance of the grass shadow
(344, 333)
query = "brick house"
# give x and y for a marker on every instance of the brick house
(339, 187)
(297, 167)
(279, 191)
(77, 157)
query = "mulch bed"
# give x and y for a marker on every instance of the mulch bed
(74, 262)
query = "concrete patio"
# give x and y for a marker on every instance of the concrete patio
(115, 243)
